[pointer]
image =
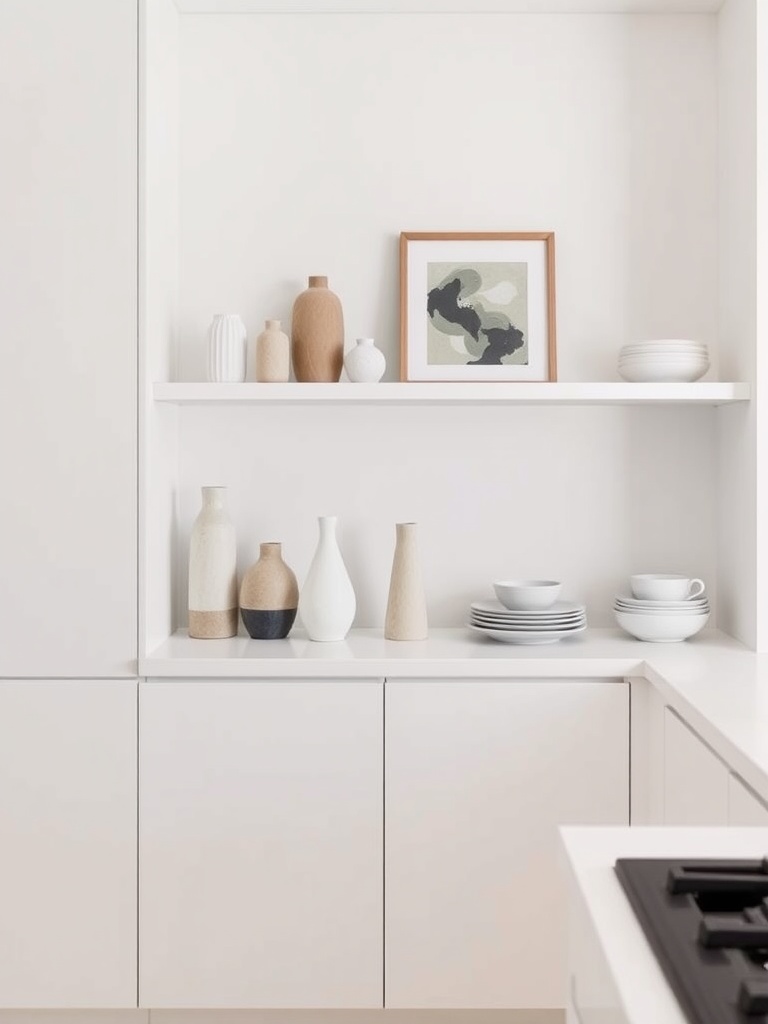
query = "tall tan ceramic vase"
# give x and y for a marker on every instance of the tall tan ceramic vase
(317, 333)
(269, 595)
(406, 608)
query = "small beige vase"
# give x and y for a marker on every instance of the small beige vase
(317, 333)
(273, 354)
(406, 608)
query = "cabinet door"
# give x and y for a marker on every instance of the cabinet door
(478, 777)
(68, 211)
(68, 843)
(261, 844)
(695, 779)
(744, 806)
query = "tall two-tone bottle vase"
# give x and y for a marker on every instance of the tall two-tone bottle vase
(327, 602)
(212, 598)
(227, 345)
(406, 617)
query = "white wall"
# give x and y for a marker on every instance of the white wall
(308, 142)
(579, 494)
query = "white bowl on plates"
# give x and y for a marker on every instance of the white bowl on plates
(661, 628)
(527, 595)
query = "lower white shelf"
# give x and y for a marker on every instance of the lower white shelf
(448, 653)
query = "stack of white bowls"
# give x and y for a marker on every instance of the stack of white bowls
(668, 360)
(663, 608)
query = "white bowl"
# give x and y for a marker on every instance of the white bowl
(661, 628)
(525, 595)
(670, 373)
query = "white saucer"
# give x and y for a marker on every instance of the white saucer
(512, 636)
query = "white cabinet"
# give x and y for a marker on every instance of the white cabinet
(68, 843)
(478, 776)
(68, 104)
(744, 806)
(695, 779)
(261, 844)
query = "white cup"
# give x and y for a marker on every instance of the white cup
(665, 587)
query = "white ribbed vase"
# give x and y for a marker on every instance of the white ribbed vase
(327, 602)
(406, 608)
(227, 339)
(212, 596)
(365, 364)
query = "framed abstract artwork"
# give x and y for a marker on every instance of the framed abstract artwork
(477, 307)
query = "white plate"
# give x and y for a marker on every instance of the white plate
(526, 616)
(497, 608)
(520, 637)
(639, 602)
(556, 627)
(660, 346)
(571, 620)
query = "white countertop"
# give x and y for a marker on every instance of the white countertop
(592, 852)
(448, 653)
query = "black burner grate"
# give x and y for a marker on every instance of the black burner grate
(704, 920)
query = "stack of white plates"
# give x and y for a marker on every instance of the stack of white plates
(673, 360)
(661, 621)
(545, 626)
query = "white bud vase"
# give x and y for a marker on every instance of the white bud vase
(327, 601)
(365, 364)
(273, 354)
(406, 608)
(227, 339)
(212, 600)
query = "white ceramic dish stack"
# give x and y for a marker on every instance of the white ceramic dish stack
(560, 620)
(670, 360)
(661, 621)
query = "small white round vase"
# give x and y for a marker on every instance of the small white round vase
(365, 364)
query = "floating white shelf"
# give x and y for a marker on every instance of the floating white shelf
(447, 654)
(448, 6)
(566, 393)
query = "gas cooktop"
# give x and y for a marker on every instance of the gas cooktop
(707, 922)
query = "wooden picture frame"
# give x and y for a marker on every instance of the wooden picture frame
(477, 306)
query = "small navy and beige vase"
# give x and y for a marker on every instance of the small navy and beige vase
(269, 595)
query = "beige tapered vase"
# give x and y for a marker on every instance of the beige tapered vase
(406, 608)
(317, 334)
